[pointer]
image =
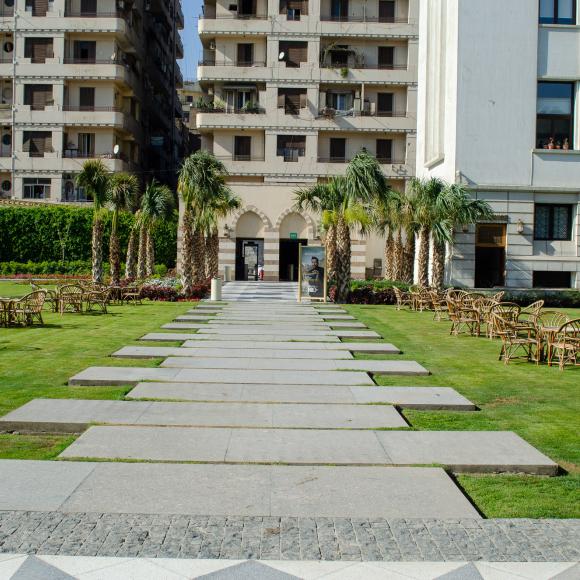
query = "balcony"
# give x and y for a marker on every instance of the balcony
(556, 168)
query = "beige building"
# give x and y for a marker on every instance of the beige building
(86, 79)
(190, 94)
(293, 90)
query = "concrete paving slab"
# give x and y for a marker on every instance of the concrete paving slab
(39, 485)
(294, 446)
(239, 340)
(356, 334)
(113, 376)
(405, 397)
(468, 451)
(263, 490)
(106, 376)
(377, 367)
(147, 352)
(354, 347)
(249, 329)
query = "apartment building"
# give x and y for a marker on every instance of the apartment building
(292, 91)
(190, 95)
(499, 110)
(87, 79)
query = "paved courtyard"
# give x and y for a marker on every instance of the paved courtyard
(263, 437)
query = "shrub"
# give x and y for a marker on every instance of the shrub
(552, 298)
(371, 291)
(77, 267)
(162, 293)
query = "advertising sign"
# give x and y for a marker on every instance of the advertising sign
(312, 273)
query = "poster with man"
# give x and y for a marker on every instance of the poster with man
(312, 273)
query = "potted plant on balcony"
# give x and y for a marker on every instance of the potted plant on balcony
(344, 72)
(251, 107)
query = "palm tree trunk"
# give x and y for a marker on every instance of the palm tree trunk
(408, 267)
(142, 258)
(398, 256)
(97, 250)
(389, 257)
(438, 265)
(187, 242)
(330, 243)
(213, 250)
(131, 263)
(150, 254)
(114, 257)
(423, 259)
(343, 251)
(198, 256)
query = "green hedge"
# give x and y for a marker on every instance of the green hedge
(63, 234)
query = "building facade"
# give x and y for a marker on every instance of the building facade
(499, 110)
(190, 95)
(292, 91)
(87, 79)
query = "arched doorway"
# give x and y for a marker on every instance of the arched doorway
(249, 246)
(293, 232)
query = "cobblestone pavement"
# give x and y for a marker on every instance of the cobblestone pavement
(272, 538)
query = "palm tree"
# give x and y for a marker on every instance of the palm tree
(201, 178)
(409, 227)
(427, 218)
(454, 207)
(344, 201)
(157, 204)
(386, 220)
(94, 178)
(123, 189)
(132, 244)
(219, 207)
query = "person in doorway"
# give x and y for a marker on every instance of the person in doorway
(260, 272)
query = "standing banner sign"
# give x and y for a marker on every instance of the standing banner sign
(312, 273)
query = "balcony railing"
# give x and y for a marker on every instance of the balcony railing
(364, 65)
(331, 114)
(234, 16)
(240, 63)
(381, 160)
(234, 157)
(91, 109)
(77, 60)
(364, 18)
(231, 111)
(97, 14)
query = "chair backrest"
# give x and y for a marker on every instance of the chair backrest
(570, 331)
(498, 296)
(551, 318)
(507, 311)
(485, 304)
(71, 290)
(469, 299)
(33, 302)
(533, 308)
(455, 294)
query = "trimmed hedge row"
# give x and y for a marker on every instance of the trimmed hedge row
(63, 234)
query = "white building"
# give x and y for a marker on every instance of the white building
(294, 89)
(499, 110)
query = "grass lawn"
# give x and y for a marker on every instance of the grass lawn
(37, 362)
(540, 404)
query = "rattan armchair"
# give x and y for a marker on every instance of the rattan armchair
(70, 298)
(463, 319)
(28, 309)
(517, 341)
(566, 345)
(97, 295)
(51, 296)
(439, 304)
(508, 311)
(402, 298)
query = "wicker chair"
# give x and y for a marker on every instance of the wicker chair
(498, 296)
(483, 307)
(533, 310)
(463, 319)
(566, 345)
(507, 310)
(440, 307)
(132, 294)
(517, 341)
(70, 298)
(402, 298)
(97, 295)
(28, 309)
(51, 296)
(422, 299)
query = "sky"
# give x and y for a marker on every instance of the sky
(191, 10)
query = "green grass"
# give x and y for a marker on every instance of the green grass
(36, 362)
(540, 404)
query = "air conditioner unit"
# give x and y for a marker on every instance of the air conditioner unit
(212, 45)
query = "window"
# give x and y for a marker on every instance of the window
(294, 53)
(552, 279)
(291, 100)
(37, 97)
(386, 57)
(86, 145)
(293, 9)
(37, 143)
(85, 51)
(87, 98)
(339, 101)
(554, 129)
(36, 188)
(38, 7)
(38, 49)
(245, 55)
(337, 150)
(553, 222)
(557, 11)
(242, 148)
(385, 150)
(291, 147)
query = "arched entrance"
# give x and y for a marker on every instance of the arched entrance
(249, 246)
(293, 231)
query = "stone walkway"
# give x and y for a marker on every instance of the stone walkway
(271, 431)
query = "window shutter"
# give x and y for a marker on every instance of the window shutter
(303, 100)
(281, 99)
